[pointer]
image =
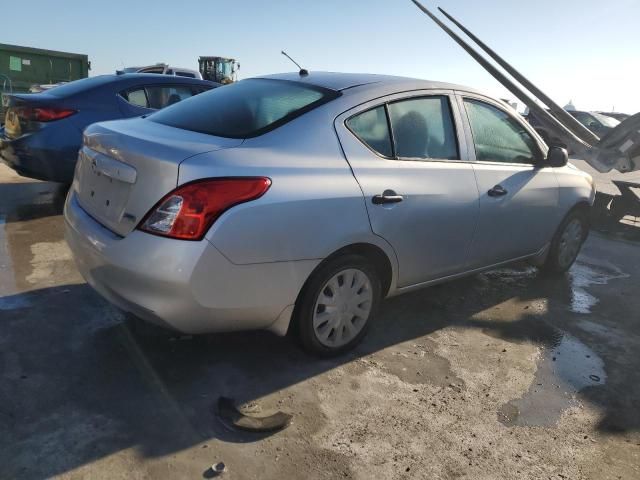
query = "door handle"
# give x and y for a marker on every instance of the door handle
(497, 191)
(388, 196)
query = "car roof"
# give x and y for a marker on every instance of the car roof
(343, 81)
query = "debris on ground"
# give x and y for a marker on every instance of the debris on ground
(232, 417)
(215, 470)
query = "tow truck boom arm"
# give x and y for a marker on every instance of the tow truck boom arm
(619, 149)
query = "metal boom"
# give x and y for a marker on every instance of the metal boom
(619, 149)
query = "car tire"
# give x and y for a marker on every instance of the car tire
(337, 304)
(567, 242)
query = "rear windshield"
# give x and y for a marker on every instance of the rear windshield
(244, 109)
(77, 86)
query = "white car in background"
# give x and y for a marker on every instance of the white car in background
(163, 69)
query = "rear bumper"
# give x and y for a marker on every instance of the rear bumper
(188, 286)
(28, 158)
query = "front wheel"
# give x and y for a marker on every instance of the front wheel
(337, 305)
(567, 242)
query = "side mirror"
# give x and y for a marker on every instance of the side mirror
(557, 157)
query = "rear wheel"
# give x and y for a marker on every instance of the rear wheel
(337, 305)
(567, 242)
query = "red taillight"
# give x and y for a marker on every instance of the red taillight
(189, 211)
(43, 114)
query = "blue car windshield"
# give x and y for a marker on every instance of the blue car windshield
(244, 109)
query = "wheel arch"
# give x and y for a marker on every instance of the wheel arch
(379, 259)
(548, 261)
(582, 206)
(376, 255)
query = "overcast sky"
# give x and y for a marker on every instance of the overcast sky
(586, 51)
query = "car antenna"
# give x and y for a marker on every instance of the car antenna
(303, 71)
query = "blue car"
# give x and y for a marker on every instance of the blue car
(43, 131)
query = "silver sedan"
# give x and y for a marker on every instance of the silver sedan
(301, 201)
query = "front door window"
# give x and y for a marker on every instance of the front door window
(498, 137)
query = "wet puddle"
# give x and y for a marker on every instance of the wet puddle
(512, 275)
(8, 298)
(565, 367)
(584, 274)
(605, 333)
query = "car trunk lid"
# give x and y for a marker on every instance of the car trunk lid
(125, 167)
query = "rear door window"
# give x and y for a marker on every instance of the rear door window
(423, 128)
(245, 109)
(498, 137)
(372, 128)
(136, 97)
(160, 97)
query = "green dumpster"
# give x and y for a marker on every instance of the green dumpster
(23, 67)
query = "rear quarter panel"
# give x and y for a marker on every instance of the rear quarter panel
(313, 208)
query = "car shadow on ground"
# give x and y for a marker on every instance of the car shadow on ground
(90, 383)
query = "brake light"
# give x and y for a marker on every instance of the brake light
(43, 114)
(188, 212)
